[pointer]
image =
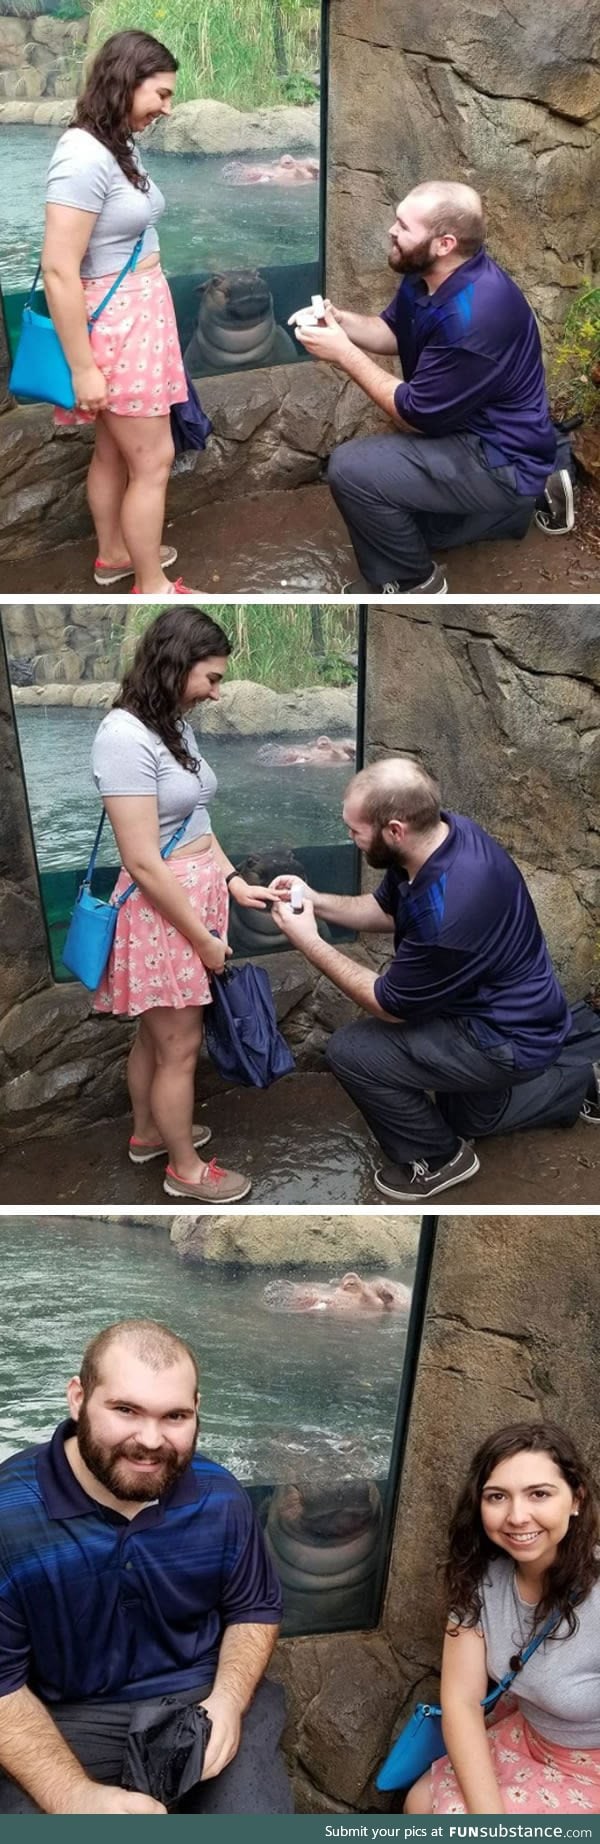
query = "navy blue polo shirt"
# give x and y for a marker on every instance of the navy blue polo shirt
(472, 364)
(93, 1604)
(469, 945)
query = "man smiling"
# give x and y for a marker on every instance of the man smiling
(134, 1581)
(473, 446)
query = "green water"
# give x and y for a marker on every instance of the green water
(283, 1395)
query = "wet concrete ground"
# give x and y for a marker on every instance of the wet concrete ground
(304, 1145)
(296, 543)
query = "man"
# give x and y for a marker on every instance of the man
(132, 1569)
(469, 1009)
(474, 447)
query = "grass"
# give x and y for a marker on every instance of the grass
(242, 52)
(286, 648)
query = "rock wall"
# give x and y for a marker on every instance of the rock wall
(503, 705)
(510, 1302)
(506, 97)
(272, 429)
(40, 57)
(281, 1241)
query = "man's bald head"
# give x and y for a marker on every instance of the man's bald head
(154, 1344)
(451, 209)
(396, 789)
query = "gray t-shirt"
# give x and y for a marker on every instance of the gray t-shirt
(128, 758)
(559, 1687)
(84, 174)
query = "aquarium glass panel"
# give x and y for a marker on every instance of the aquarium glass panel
(283, 743)
(306, 1378)
(239, 161)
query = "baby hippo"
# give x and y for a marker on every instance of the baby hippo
(351, 1297)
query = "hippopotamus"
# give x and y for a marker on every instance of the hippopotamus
(253, 931)
(301, 755)
(288, 170)
(324, 1542)
(236, 327)
(351, 1297)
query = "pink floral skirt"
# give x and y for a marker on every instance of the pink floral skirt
(136, 346)
(533, 1775)
(151, 962)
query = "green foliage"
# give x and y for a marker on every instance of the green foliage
(242, 52)
(273, 645)
(578, 350)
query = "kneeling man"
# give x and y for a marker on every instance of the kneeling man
(469, 1011)
(472, 447)
(134, 1581)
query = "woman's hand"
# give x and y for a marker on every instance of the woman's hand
(281, 887)
(249, 896)
(90, 387)
(214, 953)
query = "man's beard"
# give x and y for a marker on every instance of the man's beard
(109, 1464)
(413, 262)
(382, 856)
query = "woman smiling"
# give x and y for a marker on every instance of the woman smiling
(523, 1552)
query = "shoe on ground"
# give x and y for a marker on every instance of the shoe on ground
(216, 1186)
(141, 1151)
(176, 588)
(417, 1182)
(435, 584)
(590, 1110)
(556, 510)
(116, 572)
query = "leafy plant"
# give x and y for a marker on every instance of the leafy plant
(236, 51)
(274, 645)
(577, 354)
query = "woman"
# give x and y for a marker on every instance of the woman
(523, 1546)
(172, 931)
(128, 371)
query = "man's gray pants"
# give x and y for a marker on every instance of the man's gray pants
(255, 1780)
(393, 1071)
(405, 496)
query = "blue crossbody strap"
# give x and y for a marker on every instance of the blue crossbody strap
(487, 1703)
(130, 264)
(165, 853)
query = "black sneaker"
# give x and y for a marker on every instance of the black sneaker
(415, 1183)
(555, 510)
(435, 585)
(590, 1111)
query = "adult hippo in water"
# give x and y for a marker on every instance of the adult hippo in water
(236, 327)
(324, 752)
(352, 1297)
(289, 170)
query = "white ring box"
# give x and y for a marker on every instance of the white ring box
(312, 316)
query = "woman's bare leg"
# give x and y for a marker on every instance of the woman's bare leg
(146, 446)
(141, 1070)
(106, 487)
(176, 1038)
(420, 1797)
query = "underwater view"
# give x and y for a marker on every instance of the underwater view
(300, 1381)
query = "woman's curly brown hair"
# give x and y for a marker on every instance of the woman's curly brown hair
(104, 107)
(577, 1564)
(154, 686)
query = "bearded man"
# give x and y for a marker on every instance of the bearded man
(135, 1589)
(472, 450)
(467, 1032)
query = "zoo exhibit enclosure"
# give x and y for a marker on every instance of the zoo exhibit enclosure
(238, 162)
(283, 740)
(305, 1386)
(508, 1301)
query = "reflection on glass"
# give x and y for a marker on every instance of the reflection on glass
(238, 162)
(299, 1401)
(282, 744)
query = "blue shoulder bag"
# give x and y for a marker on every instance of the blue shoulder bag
(92, 926)
(421, 1741)
(40, 372)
